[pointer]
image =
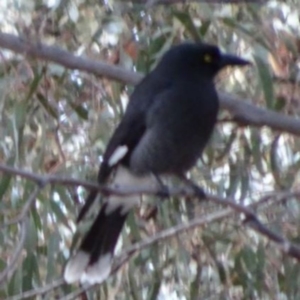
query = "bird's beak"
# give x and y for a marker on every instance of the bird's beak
(232, 60)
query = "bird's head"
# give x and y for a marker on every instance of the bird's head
(202, 59)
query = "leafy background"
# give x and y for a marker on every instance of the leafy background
(56, 121)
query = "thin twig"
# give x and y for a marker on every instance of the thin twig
(78, 292)
(43, 180)
(39, 291)
(252, 220)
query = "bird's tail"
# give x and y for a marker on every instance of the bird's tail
(92, 262)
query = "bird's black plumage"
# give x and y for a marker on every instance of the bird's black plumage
(168, 122)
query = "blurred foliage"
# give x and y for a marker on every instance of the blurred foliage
(57, 121)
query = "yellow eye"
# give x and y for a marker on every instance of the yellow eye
(208, 58)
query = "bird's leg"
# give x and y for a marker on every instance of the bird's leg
(163, 191)
(199, 192)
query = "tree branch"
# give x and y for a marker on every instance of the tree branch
(66, 59)
(242, 111)
(43, 180)
(39, 291)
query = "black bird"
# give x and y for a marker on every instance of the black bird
(169, 120)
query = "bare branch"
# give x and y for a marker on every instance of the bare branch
(66, 59)
(243, 112)
(81, 290)
(247, 114)
(252, 220)
(39, 291)
(43, 180)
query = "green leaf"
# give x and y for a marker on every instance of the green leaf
(15, 284)
(2, 264)
(234, 179)
(56, 209)
(30, 270)
(36, 218)
(249, 268)
(266, 81)
(134, 229)
(80, 111)
(134, 290)
(18, 124)
(234, 24)
(31, 236)
(65, 197)
(256, 143)
(19, 115)
(204, 28)
(5, 179)
(280, 103)
(155, 285)
(34, 85)
(275, 162)
(186, 20)
(52, 250)
(195, 284)
(45, 103)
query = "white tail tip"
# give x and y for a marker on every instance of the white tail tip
(99, 271)
(77, 269)
(76, 266)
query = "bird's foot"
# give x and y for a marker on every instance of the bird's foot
(163, 190)
(197, 190)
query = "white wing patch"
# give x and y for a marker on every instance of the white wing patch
(117, 155)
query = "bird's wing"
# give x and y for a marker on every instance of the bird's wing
(123, 141)
(121, 144)
(128, 133)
